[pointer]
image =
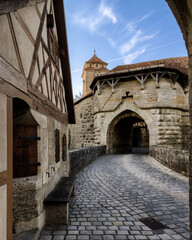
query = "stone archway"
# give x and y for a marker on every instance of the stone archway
(108, 118)
(123, 134)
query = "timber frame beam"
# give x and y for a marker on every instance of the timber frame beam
(142, 78)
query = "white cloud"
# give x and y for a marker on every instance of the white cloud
(111, 41)
(144, 17)
(131, 57)
(107, 11)
(126, 47)
(132, 25)
(77, 70)
(97, 19)
(137, 38)
(108, 38)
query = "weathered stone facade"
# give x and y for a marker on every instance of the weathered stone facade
(173, 158)
(82, 134)
(80, 158)
(152, 93)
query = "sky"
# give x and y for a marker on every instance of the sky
(121, 32)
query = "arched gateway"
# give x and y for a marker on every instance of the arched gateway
(182, 11)
(127, 132)
(133, 106)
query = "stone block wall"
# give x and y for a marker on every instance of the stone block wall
(80, 158)
(177, 160)
(163, 106)
(172, 127)
(82, 134)
(29, 193)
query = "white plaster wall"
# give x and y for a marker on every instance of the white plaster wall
(24, 44)
(7, 49)
(3, 212)
(3, 133)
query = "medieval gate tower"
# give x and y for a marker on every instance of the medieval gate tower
(142, 105)
(92, 68)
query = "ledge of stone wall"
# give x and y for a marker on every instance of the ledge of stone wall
(177, 160)
(80, 158)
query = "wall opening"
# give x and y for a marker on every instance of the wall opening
(140, 139)
(25, 157)
(64, 148)
(128, 133)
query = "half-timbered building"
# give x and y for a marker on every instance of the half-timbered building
(36, 105)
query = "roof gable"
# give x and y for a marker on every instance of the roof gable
(95, 59)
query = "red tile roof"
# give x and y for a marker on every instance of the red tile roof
(178, 63)
(95, 59)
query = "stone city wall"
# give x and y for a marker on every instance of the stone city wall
(80, 158)
(178, 160)
(172, 127)
(82, 134)
(164, 106)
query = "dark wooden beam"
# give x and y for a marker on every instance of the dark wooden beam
(64, 58)
(9, 74)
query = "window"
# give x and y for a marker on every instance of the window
(64, 148)
(57, 146)
(50, 21)
(96, 65)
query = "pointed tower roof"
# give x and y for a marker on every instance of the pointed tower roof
(95, 59)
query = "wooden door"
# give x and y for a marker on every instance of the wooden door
(25, 151)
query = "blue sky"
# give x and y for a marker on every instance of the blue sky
(121, 32)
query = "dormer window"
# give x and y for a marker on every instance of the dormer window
(96, 65)
(90, 65)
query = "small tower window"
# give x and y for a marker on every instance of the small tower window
(90, 65)
(96, 65)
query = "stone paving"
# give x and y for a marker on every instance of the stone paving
(115, 192)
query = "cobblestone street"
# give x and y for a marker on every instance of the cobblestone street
(116, 193)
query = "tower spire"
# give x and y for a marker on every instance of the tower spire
(92, 68)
